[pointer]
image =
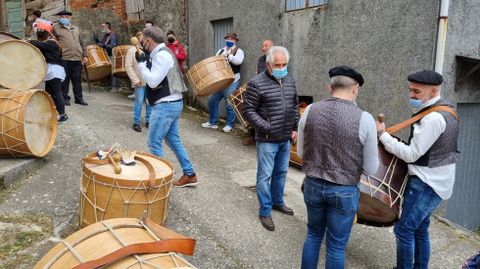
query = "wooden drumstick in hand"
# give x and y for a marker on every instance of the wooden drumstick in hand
(380, 124)
(381, 118)
(134, 41)
(116, 167)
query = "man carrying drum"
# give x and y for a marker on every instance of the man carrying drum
(164, 87)
(271, 106)
(235, 57)
(72, 54)
(431, 154)
(108, 42)
(338, 141)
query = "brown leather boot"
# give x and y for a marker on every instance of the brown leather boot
(267, 223)
(249, 141)
(186, 181)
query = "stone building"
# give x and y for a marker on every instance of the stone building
(384, 40)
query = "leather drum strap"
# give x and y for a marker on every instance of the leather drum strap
(181, 245)
(151, 171)
(399, 126)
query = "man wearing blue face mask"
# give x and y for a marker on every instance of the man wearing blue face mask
(235, 57)
(73, 53)
(431, 155)
(271, 106)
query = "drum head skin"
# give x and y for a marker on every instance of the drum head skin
(21, 64)
(7, 36)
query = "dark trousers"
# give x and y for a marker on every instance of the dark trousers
(73, 69)
(252, 132)
(54, 88)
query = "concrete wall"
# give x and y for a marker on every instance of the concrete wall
(384, 40)
(168, 15)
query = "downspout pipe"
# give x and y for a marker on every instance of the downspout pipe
(441, 35)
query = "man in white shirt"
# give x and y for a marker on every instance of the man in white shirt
(235, 57)
(164, 87)
(431, 154)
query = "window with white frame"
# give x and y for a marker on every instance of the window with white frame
(303, 4)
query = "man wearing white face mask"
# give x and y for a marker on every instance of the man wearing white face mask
(235, 57)
(73, 53)
(271, 106)
(431, 154)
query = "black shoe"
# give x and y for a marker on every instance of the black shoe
(67, 102)
(137, 128)
(62, 118)
(283, 209)
(267, 223)
(81, 102)
(147, 125)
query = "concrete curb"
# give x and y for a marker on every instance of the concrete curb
(14, 169)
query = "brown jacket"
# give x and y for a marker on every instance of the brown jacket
(71, 42)
(131, 67)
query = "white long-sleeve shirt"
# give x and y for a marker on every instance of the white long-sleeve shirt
(367, 135)
(425, 134)
(162, 61)
(236, 59)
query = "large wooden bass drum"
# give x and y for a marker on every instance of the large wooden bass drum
(22, 65)
(140, 189)
(381, 194)
(210, 75)
(98, 64)
(118, 57)
(7, 36)
(28, 123)
(123, 243)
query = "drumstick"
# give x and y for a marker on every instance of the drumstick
(134, 41)
(381, 118)
(117, 168)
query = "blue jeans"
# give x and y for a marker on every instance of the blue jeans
(272, 169)
(137, 105)
(214, 101)
(331, 208)
(411, 231)
(164, 124)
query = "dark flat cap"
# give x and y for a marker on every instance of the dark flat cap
(428, 77)
(64, 12)
(343, 70)
(232, 34)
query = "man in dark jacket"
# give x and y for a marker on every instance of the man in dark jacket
(271, 106)
(108, 42)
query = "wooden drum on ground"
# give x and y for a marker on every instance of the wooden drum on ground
(28, 123)
(118, 57)
(381, 195)
(236, 101)
(22, 65)
(210, 75)
(109, 244)
(98, 64)
(139, 188)
(7, 36)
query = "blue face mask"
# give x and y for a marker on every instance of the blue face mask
(64, 21)
(415, 102)
(280, 73)
(229, 43)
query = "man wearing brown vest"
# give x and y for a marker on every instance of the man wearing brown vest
(338, 141)
(431, 155)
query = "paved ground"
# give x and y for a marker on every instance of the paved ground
(221, 212)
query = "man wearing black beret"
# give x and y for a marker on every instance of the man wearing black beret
(431, 154)
(338, 141)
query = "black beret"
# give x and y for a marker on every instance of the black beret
(347, 71)
(426, 77)
(64, 12)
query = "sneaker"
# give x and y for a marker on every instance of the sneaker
(186, 181)
(267, 223)
(137, 127)
(62, 118)
(227, 128)
(67, 102)
(208, 125)
(283, 209)
(131, 96)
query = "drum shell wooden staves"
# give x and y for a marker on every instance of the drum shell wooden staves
(98, 63)
(210, 75)
(102, 238)
(28, 123)
(106, 195)
(118, 58)
(236, 100)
